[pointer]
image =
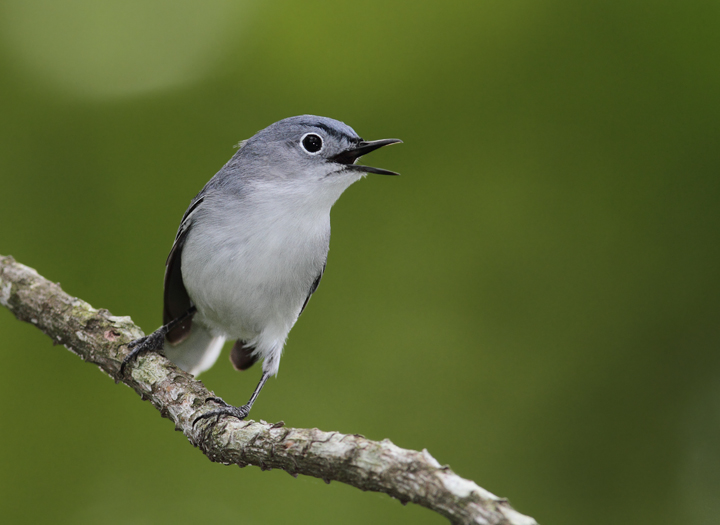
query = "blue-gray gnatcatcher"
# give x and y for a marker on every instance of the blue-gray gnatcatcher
(252, 246)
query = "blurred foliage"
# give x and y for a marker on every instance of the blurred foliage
(535, 300)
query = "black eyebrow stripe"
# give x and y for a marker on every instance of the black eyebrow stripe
(335, 133)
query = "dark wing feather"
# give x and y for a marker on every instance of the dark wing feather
(176, 299)
(314, 286)
(242, 355)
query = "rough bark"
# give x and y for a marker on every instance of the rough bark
(100, 338)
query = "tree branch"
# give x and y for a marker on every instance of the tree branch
(100, 338)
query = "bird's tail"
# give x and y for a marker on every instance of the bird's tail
(198, 352)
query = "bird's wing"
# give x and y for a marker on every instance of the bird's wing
(176, 299)
(314, 286)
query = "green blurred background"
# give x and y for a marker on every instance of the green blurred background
(535, 301)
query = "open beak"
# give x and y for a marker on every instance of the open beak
(350, 155)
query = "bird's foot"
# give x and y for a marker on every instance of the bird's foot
(225, 410)
(150, 343)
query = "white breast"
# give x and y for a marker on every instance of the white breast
(248, 265)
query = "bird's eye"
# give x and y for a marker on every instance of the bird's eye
(311, 143)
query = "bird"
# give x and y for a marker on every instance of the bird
(252, 247)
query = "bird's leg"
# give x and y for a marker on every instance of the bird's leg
(229, 410)
(153, 342)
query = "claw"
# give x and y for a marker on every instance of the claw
(227, 410)
(153, 342)
(218, 401)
